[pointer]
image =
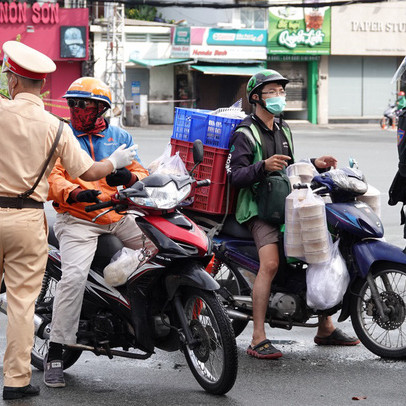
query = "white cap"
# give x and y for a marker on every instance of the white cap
(26, 61)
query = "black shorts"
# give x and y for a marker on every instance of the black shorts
(262, 232)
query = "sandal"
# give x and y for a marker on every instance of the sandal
(264, 350)
(337, 337)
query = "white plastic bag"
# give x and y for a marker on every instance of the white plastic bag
(167, 164)
(154, 165)
(121, 266)
(327, 283)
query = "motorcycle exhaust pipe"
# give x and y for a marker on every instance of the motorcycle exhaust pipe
(38, 321)
(236, 315)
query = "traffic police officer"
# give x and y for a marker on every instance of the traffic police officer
(28, 133)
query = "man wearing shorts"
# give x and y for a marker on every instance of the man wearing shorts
(246, 167)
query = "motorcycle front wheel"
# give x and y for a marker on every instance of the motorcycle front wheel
(213, 357)
(385, 337)
(43, 308)
(385, 123)
(227, 278)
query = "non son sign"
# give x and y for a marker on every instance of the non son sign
(16, 13)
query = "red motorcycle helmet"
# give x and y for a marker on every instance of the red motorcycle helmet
(401, 93)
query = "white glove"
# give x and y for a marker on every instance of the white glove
(122, 157)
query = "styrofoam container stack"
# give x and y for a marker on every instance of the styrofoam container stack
(304, 170)
(314, 232)
(290, 212)
(292, 237)
(372, 198)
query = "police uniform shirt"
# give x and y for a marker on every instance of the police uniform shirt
(27, 134)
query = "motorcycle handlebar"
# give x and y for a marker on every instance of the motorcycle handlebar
(313, 185)
(202, 183)
(98, 206)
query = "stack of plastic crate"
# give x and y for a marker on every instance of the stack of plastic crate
(214, 131)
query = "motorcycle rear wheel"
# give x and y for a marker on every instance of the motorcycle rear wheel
(385, 338)
(214, 360)
(227, 278)
(40, 347)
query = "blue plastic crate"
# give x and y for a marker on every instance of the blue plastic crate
(182, 123)
(212, 130)
(193, 124)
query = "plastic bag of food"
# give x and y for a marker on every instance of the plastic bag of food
(121, 266)
(327, 282)
(167, 164)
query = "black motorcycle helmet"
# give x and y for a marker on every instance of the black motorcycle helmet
(261, 78)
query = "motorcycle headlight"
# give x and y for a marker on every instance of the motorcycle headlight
(165, 197)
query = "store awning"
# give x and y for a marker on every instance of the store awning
(157, 62)
(238, 70)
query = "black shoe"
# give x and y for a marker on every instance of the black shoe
(11, 392)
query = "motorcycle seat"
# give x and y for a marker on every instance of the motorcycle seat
(107, 246)
(231, 226)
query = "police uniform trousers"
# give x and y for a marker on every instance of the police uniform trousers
(23, 254)
(78, 244)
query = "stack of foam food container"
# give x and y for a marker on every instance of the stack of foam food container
(306, 234)
(372, 198)
(301, 172)
(293, 235)
(215, 132)
(314, 232)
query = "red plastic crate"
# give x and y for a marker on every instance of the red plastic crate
(210, 199)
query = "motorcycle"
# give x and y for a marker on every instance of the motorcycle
(168, 301)
(390, 117)
(375, 298)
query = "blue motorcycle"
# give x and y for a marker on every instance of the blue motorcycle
(376, 295)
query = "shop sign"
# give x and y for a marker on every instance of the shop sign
(181, 42)
(237, 37)
(232, 53)
(299, 31)
(182, 36)
(16, 13)
(209, 43)
(369, 30)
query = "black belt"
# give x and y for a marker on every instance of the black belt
(19, 203)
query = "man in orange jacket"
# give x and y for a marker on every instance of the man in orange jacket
(88, 99)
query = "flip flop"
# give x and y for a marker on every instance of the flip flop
(264, 350)
(337, 337)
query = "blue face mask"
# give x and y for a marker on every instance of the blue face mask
(275, 105)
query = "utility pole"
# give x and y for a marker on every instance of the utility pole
(115, 65)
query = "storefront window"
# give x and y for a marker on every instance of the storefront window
(254, 18)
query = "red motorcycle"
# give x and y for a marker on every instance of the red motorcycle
(168, 301)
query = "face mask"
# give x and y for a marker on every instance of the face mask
(83, 119)
(275, 105)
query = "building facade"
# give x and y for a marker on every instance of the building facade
(61, 33)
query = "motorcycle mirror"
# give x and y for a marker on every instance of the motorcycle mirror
(353, 163)
(197, 154)
(198, 151)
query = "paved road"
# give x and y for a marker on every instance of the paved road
(307, 375)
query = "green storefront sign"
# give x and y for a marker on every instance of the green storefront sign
(182, 36)
(299, 31)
